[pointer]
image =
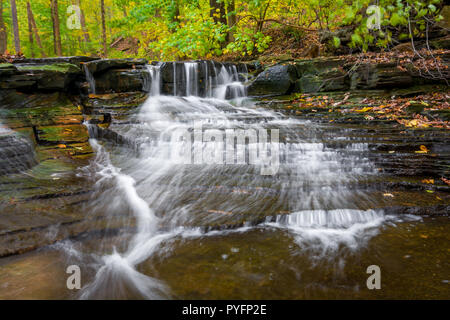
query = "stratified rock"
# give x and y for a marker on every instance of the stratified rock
(120, 80)
(56, 76)
(7, 69)
(441, 43)
(17, 81)
(276, 80)
(99, 66)
(380, 76)
(76, 60)
(322, 74)
(16, 152)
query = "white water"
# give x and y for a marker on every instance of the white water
(163, 199)
(4, 129)
(90, 79)
(153, 83)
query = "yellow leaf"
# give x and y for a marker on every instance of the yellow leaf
(366, 109)
(62, 146)
(412, 123)
(423, 149)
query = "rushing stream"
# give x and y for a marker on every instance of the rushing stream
(203, 228)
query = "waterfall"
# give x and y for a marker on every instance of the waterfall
(228, 84)
(164, 198)
(90, 79)
(191, 69)
(152, 83)
(175, 92)
(205, 79)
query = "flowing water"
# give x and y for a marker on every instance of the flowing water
(90, 79)
(199, 228)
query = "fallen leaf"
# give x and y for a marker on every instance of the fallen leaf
(423, 149)
(366, 109)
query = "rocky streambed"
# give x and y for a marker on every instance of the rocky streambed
(52, 189)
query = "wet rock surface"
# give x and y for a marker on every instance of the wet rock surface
(277, 80)
(43, 201)
(334, 74)
(41, 150)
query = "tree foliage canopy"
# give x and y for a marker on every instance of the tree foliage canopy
(182, 29)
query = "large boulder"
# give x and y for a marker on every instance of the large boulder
(276, 80)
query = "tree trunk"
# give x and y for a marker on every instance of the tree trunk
(30, 30)
(217, 11)
(105, 47)
(15, 22)
(35, 30)
(231, 19)
(56, 29)
(223, 14)
(3, 33)
(83, 24)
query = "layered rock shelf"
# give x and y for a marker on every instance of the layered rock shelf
(45, 105)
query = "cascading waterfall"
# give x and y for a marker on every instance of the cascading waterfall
(204, 79)
(169, 199)
(152, 83)
(191, 69)
(90, 79)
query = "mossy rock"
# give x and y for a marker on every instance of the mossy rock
(7, 69)
(52, 77)
(57, 67)
(99, 66)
